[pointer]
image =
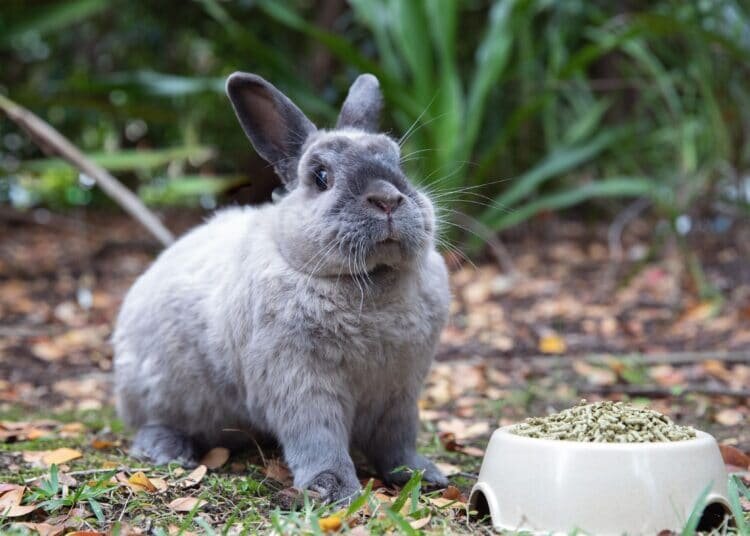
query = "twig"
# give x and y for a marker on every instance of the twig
(51, 140)
(614, 235)
(118, 469)
(662, 392)
(95, 471)
(125, 506)
(677, 358)
(614, 241)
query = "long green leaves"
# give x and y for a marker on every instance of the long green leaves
(563, 101)
(53, 17)
(127, 160)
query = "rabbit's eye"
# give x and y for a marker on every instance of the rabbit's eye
(321, 178)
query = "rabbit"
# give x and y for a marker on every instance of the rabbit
(312, 320)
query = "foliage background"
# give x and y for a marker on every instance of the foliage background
(514, 107)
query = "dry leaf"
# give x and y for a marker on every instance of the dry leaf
(595, 375)
(734, 456)
(448, 469)
(48, 351)
(278, 471)
(61, 455)
(43, 529)
(448, 440)
(667, 375)
(101, 444)
(552, 344)
(421, 522)
(72, 429)
(472, 451)
(194, 477)
(36, 433)
(140, 482)
(729, 417)
(34, 457)
(452, 493)
(186, 504)
(215, 458)
(160, 484)
(8, 487)
(717, 369)
(330, 523)
(86, 533)
(10, 503)
(461, 429)
(441, 502)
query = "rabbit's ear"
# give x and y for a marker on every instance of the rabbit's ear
(362, 106)
(276, 127)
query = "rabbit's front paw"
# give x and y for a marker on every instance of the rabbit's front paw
(162, 444)
(431, 476)
(333, 488)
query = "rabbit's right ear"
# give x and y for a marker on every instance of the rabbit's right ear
(275, 126)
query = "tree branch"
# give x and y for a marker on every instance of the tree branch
(51, 140)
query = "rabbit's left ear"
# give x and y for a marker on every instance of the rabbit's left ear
(275, 126)
(362, 106)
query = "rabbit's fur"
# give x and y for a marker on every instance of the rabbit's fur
(312, 320)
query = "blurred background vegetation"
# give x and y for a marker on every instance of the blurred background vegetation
(510, 108)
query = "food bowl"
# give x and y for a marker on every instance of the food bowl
(551, 486)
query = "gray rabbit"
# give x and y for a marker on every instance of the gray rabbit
(312, 320)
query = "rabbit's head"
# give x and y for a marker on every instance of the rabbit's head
(349, 209)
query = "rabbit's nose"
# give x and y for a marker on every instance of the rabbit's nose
(384, 196)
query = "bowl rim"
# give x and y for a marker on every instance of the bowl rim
(700, 437)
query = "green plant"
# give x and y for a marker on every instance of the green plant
(50, 493)
(506, 108)
(564, 102)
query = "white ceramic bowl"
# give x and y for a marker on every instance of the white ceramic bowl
(549, 486)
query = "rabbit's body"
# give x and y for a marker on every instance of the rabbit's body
(217, 364)
(304, 322)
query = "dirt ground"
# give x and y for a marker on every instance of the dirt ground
(564, 311)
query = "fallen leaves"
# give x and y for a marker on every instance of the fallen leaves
(421, 523)
(277, 470)
(729, 416)
(46, 458)
(61, 455)
(43, 529)
(735, 457)
(31, 430)
(140, 482)
(186, 504)
(595, 375)
(463, 429)
(194, 478)
(450, 443)
(330, 523)
(552, 344)
(10, 503)
(215, 458)
(102, 444)
(454, 494)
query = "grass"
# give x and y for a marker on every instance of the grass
(239, 497)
